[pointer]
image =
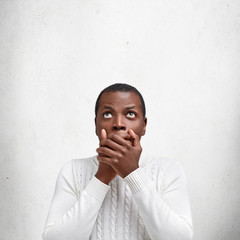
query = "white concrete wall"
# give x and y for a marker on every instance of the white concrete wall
(55, 57)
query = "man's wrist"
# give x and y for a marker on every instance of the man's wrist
(137, 180)
(130, 171)
(102, 178)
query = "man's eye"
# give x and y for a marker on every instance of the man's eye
(131, 115)
(107, 115)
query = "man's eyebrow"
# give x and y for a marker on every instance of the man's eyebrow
(108, 107)
(130, 107)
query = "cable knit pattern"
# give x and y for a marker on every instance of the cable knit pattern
(77, 180)
(113, 212)
(99, 225)
(136, 207)
(127, 211)
(90, 175)
(153, 170)
(140, 228)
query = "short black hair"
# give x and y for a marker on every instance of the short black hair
(121, 87)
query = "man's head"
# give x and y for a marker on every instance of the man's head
(121, 87)
(118, 108)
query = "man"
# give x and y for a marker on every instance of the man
(119, 194)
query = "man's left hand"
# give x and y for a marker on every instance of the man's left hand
(121, 152)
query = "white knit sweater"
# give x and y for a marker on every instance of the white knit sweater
(150, 203)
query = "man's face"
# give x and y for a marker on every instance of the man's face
(118, 112)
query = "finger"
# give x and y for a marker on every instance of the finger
(110, 144)
(106, 152)
(101, 155)
(120, 140)
(103, 134)
(104, 160)
(134, 137)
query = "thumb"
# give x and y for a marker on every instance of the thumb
(103, 134)
(134, 137)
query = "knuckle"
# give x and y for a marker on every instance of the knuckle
(124, 150)
(119, 155)
(100, 149)
(114, 161)
(114, 136)
(129, 146)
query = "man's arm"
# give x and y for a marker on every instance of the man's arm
(166, 217)
(69, 217)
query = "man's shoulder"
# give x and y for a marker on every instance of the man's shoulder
(79, 163)
(84, 160)
(159, 161)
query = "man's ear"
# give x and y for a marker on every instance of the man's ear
(144, 126)
(95, 121)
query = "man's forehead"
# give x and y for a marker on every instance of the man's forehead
(127, 99)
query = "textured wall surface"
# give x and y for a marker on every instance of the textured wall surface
(55, 57)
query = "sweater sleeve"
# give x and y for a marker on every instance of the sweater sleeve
(165, 209)
(69, 217)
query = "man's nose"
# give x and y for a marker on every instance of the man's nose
(119, 124)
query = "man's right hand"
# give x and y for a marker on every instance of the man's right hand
(105, 172)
